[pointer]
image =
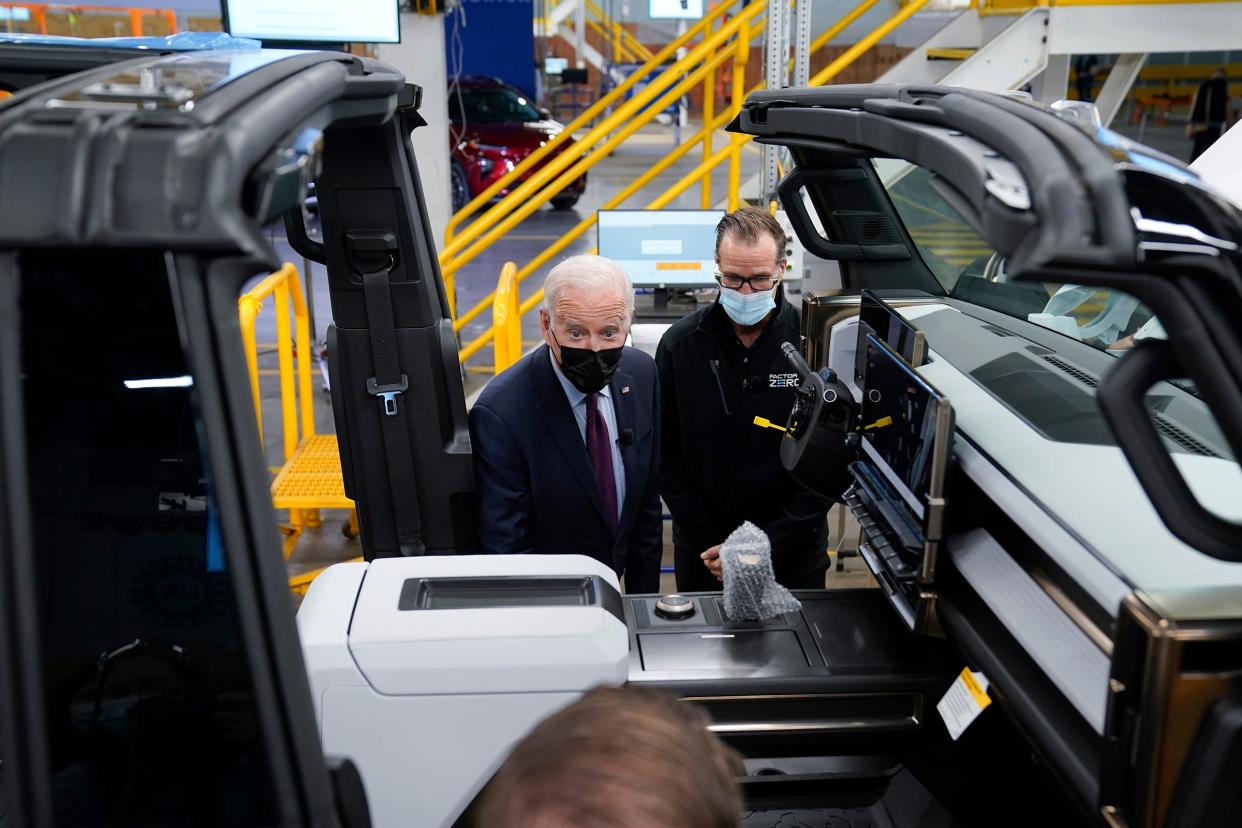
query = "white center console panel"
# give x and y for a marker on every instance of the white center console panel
(425, 671)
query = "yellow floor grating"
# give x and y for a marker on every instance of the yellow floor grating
(312, 477)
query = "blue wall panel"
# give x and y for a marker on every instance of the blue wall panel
(497, 38)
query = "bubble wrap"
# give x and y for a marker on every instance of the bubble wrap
(751, 592)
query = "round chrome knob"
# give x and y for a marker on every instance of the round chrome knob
(674, 607)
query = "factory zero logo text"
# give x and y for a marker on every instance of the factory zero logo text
(782, 380)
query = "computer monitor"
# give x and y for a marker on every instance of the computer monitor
(907, 428)
(313, 21)
(875, 316)
(661, 248)
(675, 9)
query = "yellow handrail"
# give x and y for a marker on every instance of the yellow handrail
(731, 153)
(532, 203)
(705, 168)
(709, 115)
(586, 117)
(452, 256)
(303, 484)
(507, 318)
(851, 54)
(623, 51)
(632, 44)
(455, 253)
(836, 28)
(473, 347)
(740, 57)
(247, 309)
(285, 285)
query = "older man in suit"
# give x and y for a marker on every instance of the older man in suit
(566, 442)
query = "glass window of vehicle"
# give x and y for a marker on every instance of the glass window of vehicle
(970, 270)
(1060, 404)
(149, 702)
(492, 105)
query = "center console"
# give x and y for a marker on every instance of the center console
(842, 672)
(831, 706)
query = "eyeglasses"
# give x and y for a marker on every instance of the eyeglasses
(757, 283)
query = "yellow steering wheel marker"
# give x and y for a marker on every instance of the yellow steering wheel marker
(880, 423)
(764, 422)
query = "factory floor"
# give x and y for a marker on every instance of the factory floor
(324, 545)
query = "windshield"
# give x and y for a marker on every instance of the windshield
(493, 105)
(970, 270)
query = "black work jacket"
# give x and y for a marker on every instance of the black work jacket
(716, 467)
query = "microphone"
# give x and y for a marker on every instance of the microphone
(626, 438)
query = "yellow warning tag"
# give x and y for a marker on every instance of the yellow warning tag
(764, 422)
(880, 423)
(972, 684)
(966, 699)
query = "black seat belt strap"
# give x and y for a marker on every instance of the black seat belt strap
(388, 386)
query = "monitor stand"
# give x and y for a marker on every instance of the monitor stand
(660, 310)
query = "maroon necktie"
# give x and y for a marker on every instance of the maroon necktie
(599, 450)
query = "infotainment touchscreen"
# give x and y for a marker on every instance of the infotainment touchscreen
(906, 427)
(877, 317)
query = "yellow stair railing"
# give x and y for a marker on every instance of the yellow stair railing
(741, 51)
(821, 40)
(310, 478)
(567, 167)
(587, 116)
(701, 173)
(618, 34)
(621, 53)
(507, 318)
(873, 37)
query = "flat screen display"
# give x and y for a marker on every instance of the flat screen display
(903, 418)
(313, 21)
(875, 316)
(675, 9)
(661, 247)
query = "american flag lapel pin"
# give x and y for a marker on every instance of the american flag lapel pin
(625, 389)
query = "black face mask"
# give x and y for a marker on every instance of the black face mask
(588, 370)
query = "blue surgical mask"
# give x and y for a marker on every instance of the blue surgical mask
(112, 715)
(746, 309)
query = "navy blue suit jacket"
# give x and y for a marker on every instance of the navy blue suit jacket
(535, 488)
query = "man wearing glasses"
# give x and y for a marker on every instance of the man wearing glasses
(720, 367)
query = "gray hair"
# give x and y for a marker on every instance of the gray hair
(590, 272)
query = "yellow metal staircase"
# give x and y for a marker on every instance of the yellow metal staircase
(711, 44)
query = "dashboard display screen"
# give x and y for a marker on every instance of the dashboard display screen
(903, 419)
(877, 317)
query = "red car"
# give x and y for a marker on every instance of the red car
(493, 126)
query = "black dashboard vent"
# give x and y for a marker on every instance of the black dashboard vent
(1167, 428)
(1171, 431)
(1075, 372)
